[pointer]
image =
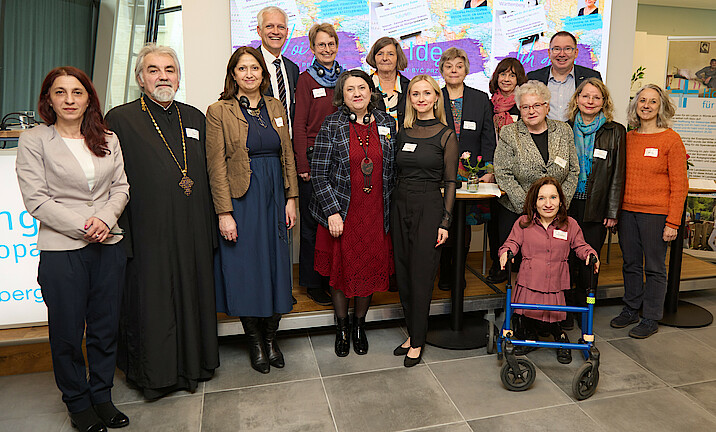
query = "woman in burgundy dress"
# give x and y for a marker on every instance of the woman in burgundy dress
(353, 164)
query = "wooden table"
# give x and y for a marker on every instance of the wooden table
(680, 313)
(455, 331)
(10, 136)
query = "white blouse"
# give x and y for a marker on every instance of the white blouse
(84, 156)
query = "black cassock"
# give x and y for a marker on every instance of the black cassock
(167, 338)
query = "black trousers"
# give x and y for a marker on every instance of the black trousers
(641, 240)
(416, 212)
(83, 288)
(307, 276)
(580, 274)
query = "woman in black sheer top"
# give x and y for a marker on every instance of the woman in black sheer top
(426, 157)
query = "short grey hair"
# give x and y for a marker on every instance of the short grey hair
(453, 53)
(151, 48)
(532, 87)
(667, 109)
(260, 15)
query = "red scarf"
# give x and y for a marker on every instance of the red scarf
(502, 105)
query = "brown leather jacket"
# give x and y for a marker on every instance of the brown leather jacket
(228, 161)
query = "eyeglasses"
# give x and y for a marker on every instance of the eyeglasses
(566, 50)
(323, 45)
(591, 98)
(533, 107)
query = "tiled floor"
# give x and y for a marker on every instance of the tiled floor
(664, 383)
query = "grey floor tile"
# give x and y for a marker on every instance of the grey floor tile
(285, 407)
(434, 354)
(173, 414)
(389, 400)
(685, 361)
(29, 394)
(658, 410)
(706, 335)
(703, 393)
(452, 427)
(236, 372)
(618, 373)
(474, 385)
(382, 341)
(54, 422)
(567, 418)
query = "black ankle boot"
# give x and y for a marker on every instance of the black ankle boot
(270, 327)
(360, 341)
(259, 359)
(343, 337)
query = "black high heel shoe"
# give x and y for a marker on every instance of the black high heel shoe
(410, 361)
(400, 350)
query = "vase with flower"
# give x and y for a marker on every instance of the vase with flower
(473, 172)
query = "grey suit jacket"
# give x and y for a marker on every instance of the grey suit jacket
(55, 190)
(518, 162)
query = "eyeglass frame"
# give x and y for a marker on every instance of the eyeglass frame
(527, 108)
(324, 45)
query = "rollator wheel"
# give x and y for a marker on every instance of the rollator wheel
(491, 339)
(518, 380)
(585, 381)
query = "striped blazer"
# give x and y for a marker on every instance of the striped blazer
(330, 167)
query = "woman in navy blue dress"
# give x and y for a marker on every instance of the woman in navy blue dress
(253, 183)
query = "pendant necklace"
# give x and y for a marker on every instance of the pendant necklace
(185, 183)
(366, 165)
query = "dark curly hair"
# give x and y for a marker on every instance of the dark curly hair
(530, 208)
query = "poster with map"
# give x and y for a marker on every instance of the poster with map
(487, 30)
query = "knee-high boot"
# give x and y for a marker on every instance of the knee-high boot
(270, 327)
(259, 359)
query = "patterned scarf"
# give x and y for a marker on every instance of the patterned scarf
(502, 105)
(329, 77)
(584, 135)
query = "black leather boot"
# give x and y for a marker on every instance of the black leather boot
(259, 359)
(360, 341)
(270, 327)
(343, 337)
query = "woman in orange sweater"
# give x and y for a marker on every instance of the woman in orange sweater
(655, 189)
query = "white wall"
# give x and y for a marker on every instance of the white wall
(650, 52)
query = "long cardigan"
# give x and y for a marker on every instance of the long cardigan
(227, 155)
(518, 162)
(331, 171)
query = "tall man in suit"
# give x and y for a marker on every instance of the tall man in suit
(562, 76)
(273, 29)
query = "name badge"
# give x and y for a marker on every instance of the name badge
(561, 162)
(383, 130)
(559, 234)
(651, 152)
(279, 121)
(471, 125)
(319, 92)
(409, 147)
(192, 133)
(599, 153)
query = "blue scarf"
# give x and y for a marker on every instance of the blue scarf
(584, 135)
(330, 76)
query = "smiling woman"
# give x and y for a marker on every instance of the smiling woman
(252, 175)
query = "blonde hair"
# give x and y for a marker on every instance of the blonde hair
(607, 106)
(325, 28)
(666, 108)
(438, 109)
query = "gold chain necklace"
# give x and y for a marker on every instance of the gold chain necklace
(185, 183)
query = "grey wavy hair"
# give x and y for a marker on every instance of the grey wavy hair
(666, 108)
(151, 48)
(533, 87)
(260, 15)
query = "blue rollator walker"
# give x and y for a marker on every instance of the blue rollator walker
(518, 374)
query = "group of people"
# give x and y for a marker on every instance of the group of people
(366, 157)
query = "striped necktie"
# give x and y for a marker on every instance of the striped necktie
(281, 84)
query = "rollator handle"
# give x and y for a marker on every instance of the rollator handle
(592, 259)
(510, 257)
(592, 276)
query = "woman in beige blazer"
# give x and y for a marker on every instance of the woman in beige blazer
(253, 180)
(71, 175)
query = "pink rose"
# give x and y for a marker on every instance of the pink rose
(465, 155)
